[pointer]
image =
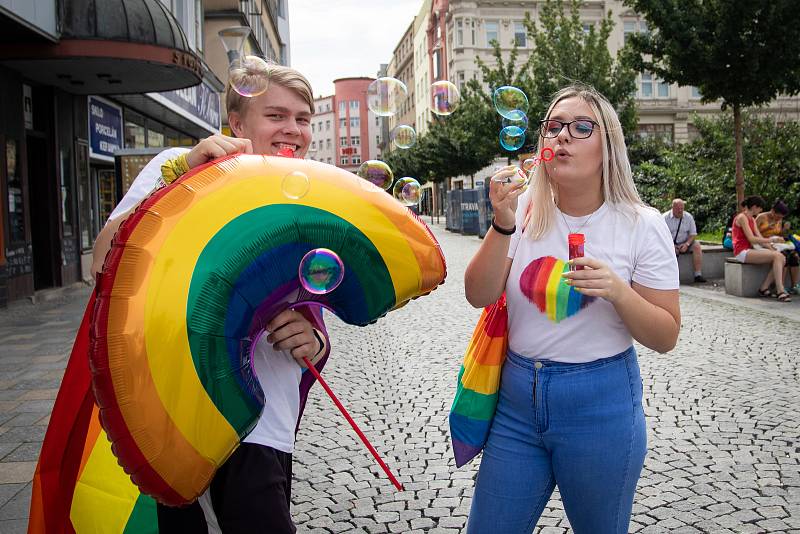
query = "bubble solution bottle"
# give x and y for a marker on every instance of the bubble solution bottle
(575, 243)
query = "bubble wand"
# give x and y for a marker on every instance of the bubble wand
(320, 272)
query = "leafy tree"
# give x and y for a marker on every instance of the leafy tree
(564, 53)
(744, 53)
(701, 172)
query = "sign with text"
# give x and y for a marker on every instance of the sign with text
(105, 129)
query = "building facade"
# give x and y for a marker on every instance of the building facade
(357, 127)
(665, 110)
(401, 67)
(323, 128)
(79, 81)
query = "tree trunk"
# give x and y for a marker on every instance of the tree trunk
(737, 132)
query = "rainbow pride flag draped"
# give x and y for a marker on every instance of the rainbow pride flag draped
(478, 383)
(79, 486)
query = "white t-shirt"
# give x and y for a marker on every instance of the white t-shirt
(680, 229)
(547, 318)
(277, 372)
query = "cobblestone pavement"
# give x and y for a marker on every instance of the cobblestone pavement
(723, 417)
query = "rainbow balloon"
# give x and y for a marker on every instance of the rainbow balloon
(193, 275)
(541, 282)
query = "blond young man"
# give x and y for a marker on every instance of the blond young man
(251, 491)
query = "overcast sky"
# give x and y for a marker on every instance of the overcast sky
(343, 38)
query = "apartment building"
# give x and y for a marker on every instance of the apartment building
(323, 129)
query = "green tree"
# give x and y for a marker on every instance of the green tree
(565, 53)
(701, 172)
(743, 53)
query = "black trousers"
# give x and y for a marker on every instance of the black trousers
(250, 493)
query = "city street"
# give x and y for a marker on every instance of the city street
(723, 414)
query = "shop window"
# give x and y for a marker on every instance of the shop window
(67, 193)
(87, 203)
(16, 204)
(154, 138)
(135, 136)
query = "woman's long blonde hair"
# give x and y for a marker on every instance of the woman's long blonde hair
(618, 187)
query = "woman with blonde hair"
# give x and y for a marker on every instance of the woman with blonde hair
(569, 410)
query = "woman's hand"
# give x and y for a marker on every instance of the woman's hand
(596, 279)
(216, 146)
(504, 189)
(290, 331)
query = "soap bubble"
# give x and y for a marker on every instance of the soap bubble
(295, 185)
(510, 102)
(376, 172)
(404, 136)
(385, 95)
(407, 190)
(512, 138)
(444, 97)
(321, 271)
(248, 75)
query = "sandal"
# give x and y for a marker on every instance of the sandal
(766, 293)
(784, 297)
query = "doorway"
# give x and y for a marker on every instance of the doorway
(43, 204)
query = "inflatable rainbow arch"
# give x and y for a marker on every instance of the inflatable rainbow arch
(193, 275)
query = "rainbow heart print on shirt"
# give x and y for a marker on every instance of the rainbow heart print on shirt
(541, 282)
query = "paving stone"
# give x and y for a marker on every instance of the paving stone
(723, 417)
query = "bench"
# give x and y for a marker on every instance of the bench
(714, 257)
(744, 279)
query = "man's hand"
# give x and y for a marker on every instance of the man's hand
(290, 331)
(216, 146)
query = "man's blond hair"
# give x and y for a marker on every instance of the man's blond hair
(277, 74)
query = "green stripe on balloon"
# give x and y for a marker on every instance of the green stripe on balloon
(236, 247)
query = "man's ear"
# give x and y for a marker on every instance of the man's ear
(235, 122)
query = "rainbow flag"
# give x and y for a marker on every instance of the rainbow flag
(78, 486)
(478, 383)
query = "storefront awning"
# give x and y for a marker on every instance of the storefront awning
(110, 47)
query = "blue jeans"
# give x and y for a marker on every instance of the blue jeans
(579, 426)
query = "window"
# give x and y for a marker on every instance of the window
(460, 77)
(587, 27)
(354, 105)
(472, 32)
(313, 127)
(342, 107)
(313, 145)
(377, 120)
(696, 92)
(327, 125)
(520, 35)
(329, 160)
(343, 161)
(646, 86)
(631, 26)
(377, 139)
(355, 140)
(343, 141)
(343, 123)
(327, 106)
(492, 33)
(662, 89)
(355, 122)
(662, 131)
(459, 32)
(356, 160)
(328, 146)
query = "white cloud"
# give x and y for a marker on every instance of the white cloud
(343, 38)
